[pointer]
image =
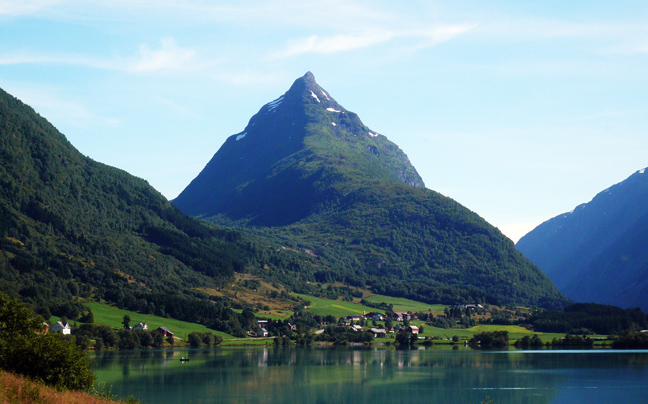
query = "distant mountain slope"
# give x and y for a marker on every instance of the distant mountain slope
(308, 175)
(598, 252)
(70, 226)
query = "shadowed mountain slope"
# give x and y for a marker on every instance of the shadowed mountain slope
(597, 253)
(307, 175)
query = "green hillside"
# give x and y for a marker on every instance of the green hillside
(113, 316)
(306, 175)
(73, 228)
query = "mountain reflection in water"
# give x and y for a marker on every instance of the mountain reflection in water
(374, 375)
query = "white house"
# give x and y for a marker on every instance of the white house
(140, 326)
(62, 327)
(378, 332)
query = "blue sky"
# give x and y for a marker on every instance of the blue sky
(518, 110)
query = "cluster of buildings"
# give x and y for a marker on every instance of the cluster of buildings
(399, 316)
(65, 328)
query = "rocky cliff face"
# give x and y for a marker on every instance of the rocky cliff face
(303, 142)
(597, 252)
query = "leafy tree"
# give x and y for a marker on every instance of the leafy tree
(495, 339)
(208, 339)
(87, 318)
(145, 338)
(127, 339)
(26, 350)
(158, 340)
(528, 342)
(218, 340)
(632, 340)
(404, 338)
(107, 335)
(126, 322)
(195, 339)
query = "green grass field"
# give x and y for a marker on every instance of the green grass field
(515, 332)
(335, 308)
(338, 308)
(112, 316)
(286, 314)
(402, 304)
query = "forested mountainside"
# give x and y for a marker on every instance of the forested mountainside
(307, 175)
(72, 227)
(597, 253)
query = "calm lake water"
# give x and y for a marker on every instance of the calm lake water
(375, 375)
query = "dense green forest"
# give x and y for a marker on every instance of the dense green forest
(414, 243)
(73, 228)
(589, 318)
(308, 176)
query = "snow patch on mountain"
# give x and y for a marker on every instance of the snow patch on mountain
(274, 104)
(241, 136)
(332, 109)
(315, 96)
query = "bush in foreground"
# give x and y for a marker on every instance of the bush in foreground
(25, 349)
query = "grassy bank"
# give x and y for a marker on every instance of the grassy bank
(19, 390)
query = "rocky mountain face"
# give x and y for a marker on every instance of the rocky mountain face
(302, 144)
(597, 253)
(307, 175)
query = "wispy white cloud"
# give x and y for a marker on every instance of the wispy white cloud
(168, 58)
(348, 42)
(59, 109)
(23, 58)
(25, 7)
(334, 43)
(514, 29)
(628, 49)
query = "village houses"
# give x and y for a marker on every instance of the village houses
(140, 327)
(62, 327)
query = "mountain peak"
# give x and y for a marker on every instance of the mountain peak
(307, 90)
(324, 183)
(307, 82)
(302, 140)
(308, 77)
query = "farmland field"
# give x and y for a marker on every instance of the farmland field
(335, 308)
(112, 316)
(402, 304)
